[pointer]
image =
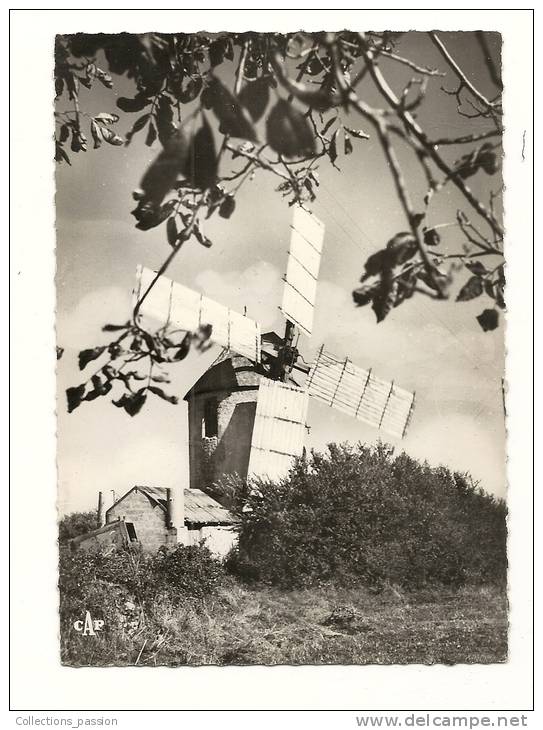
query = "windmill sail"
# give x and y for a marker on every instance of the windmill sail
(358, 393)
(279, 429)
(178, 307)
(304, 258)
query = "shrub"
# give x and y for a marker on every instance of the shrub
(186, 571)
(75, 524)
(358, 514)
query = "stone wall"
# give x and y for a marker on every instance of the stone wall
(213, 457)
(220, 540)
(149, 520)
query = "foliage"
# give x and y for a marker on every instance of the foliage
(243, 625)
(184, 571)
(76, 523)
(121, 360)
(293, 102)
(361, 515)
(122, 587)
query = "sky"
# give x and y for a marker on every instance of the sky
(434, 348)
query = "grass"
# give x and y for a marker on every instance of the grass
(328, 625)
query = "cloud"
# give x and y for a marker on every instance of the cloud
(81, 326)
(258, 287)
(464, 444)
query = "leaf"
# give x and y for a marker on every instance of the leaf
(309, 187)
(406, 286)
(332, 149)
(488, 159)
(79, 140)
(500, 301)
(151, 135)
(228, 111)
(347, 145)
(488, 319)
(115, 327)
(139, 124)
(229, 52)
(192, 89)
(96, 134)
(434, 279)
(59, 86)
(401, 248)
(227, 206)
(160, 176)
(87, 356)
(201, 167)
(471, 289)
(110, 136)
(217, 51)
(200, 237)
(60, 154)
(164, 119)
(489, 289)
(132, 403)
(100, 388)
(364, 294)
(160, 379)
(376, 264)
(315, 67)
(64, 133)
(74, 396)
(288, 131)
(431, 237)
(184, 347)
(255, 96)
(137, 104)
(174, 400)
(72, 82)
(358, 133)
(417, 219)
(171, 231)
(166, 210)
(107, 118)
(60, 352)
(104, 77)
(385, 299)
(476, 267)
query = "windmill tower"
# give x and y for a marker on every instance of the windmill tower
(247, 413)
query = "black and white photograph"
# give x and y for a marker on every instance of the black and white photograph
(281, 300)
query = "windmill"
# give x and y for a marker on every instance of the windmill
(276, 428)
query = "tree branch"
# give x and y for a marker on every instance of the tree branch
(460, 74)
(417, 131)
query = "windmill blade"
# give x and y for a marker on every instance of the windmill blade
(176, 306)
(304, 258)
(358, 393)
(279, 429)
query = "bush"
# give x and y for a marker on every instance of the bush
(75, 524)
(186, 571)
(361, 515)
(131, 592)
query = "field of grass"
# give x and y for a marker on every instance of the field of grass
(326, 625)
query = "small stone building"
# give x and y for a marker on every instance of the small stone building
(145, 517)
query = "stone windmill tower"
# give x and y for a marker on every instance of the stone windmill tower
(221, 413)
(247, 415)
